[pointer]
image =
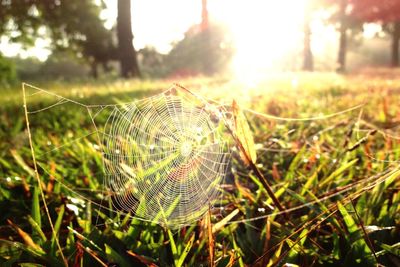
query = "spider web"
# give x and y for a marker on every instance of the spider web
(163, 157)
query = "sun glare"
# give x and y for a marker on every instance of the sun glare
(265, 33)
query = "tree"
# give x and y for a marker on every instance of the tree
(341, 61)
(99, 48)
(347, 26)
(205, 52)
(386, 12)
(308, 61)
(126, 51)
(395, 44)
(204, 15)
(72, 25)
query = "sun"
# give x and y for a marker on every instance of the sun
(265, 32)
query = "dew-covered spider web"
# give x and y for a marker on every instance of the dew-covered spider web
(163, 157)
(166, 159)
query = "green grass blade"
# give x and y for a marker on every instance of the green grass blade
(36, 228)
(116, 257)
(186, 251)
(57, 226)
(35, 213)
(172, 244)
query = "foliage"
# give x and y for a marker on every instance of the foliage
(205, 52)
(354, 222)
(152, 63)
(62, 65)
(7, 71)
(72, 25)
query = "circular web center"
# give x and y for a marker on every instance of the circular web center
(164, 159)
(186, 148)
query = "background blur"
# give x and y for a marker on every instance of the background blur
(92, 39)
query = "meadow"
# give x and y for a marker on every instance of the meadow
(328, 145)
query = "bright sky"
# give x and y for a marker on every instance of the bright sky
(158, 22)
(265, 32)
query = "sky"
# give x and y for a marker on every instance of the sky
(265, 29)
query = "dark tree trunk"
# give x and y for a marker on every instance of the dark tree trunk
(342, 49)
(395, 45)
(308, 61)
(93, 70)
(343, 38)
(126, 51)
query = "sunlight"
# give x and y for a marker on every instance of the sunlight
(263, 37)
(370, 30)
(40, 49)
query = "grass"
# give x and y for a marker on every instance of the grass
(337, 177)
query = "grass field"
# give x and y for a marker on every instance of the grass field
(328, 145)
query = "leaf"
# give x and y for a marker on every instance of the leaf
(338, 172)
(237, 251)
(22, 163)
(185, 251)
(393, 249)
(296, 247)
(348, 220)
(27, 238)
(275, 257)
(224, 221)
(36, 206)
(57, 226)
(114, 256)
(173, 246)
(36, 227)
(244, 135)
(30, 264)
(360, 245)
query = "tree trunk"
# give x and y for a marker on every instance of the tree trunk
(343, 38)
(204, 15)
(126, 51)
(395, 45)
(308, 62)
(93, 70)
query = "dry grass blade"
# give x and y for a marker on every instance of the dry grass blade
(91, 253)
(37, 176)
(248, 155)
(142, 259)
(366, 237)
(210, 239)
(26, 237)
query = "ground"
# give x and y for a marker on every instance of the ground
(327, 144)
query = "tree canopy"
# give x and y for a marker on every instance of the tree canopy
(74, 24)
(376, 11)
